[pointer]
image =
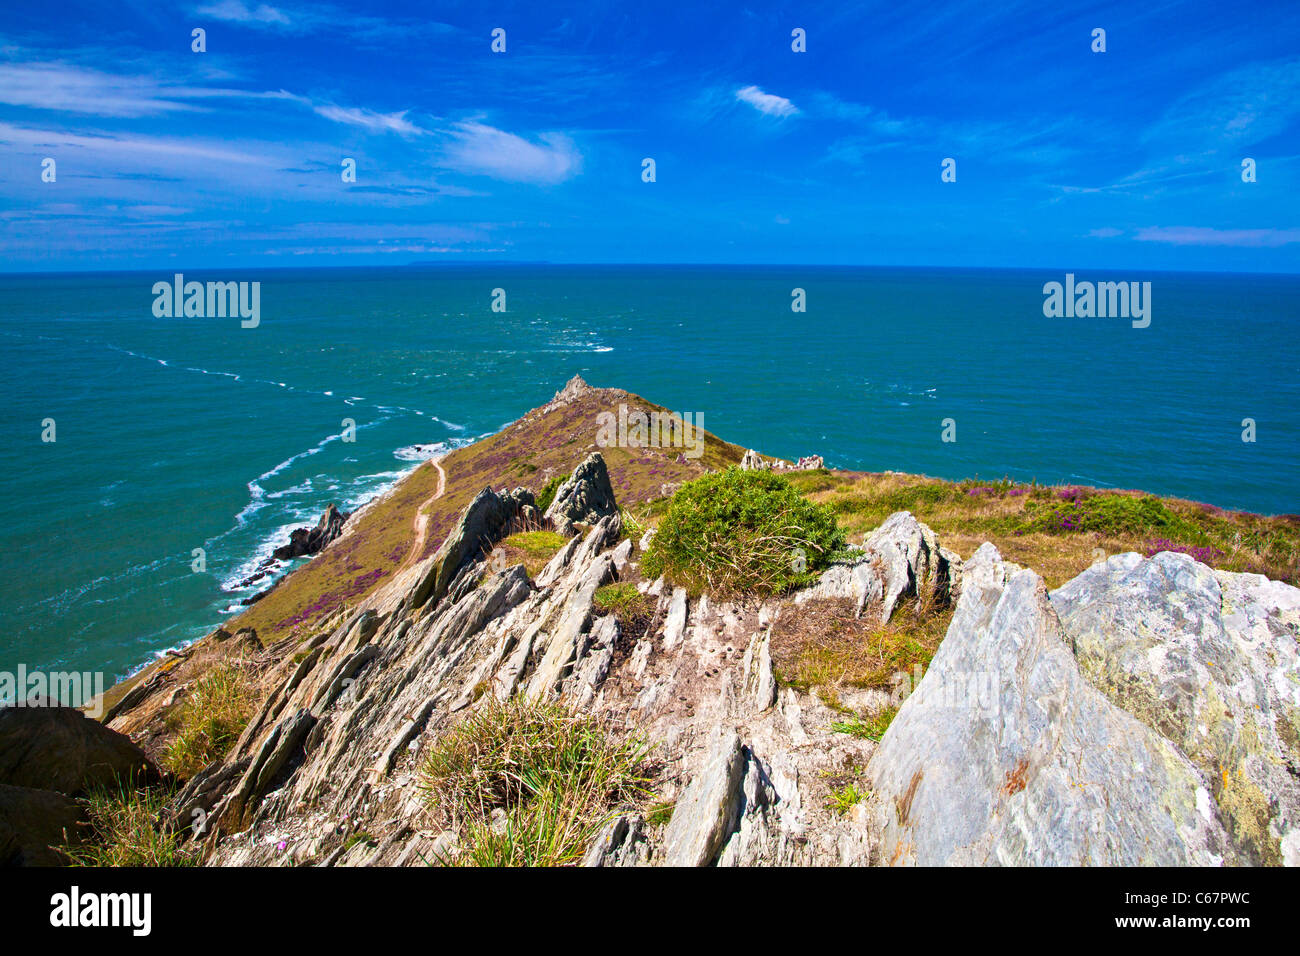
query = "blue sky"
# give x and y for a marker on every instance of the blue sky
(1066, 158)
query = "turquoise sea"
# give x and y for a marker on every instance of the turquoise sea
(176, 434)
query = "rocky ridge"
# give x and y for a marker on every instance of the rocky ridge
(1043, 732)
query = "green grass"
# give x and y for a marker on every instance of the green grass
(871, 727)
(556, 775)
(127, 829)
(209, 721)
(742, 531)
(532, 548)
(622, 598)
(844, 799)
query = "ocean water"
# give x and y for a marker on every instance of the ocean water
(176, 434)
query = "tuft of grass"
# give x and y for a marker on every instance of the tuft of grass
(661, 813)
(871, 727)
(533, 549)
(127, 828)
(845, 798)
(210, 720)
(555, 775)
(742, 531)
(622, 598)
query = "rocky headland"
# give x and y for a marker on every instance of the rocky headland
(985, 676)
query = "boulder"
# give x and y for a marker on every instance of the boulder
(1005, 754)
(60, 748)
(586, 496)
(1209, 660)
(34, 824)
(753, 461)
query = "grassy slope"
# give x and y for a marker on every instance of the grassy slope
(1060, 532)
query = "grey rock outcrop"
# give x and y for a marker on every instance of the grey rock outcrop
(481, 525)
(753, 461)
(1005, 754)
(585, 496)
(902, 558)
(1210, 660)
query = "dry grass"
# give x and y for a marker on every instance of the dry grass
(821, 645)
(532, 549)
(528, 783)
(209, 721)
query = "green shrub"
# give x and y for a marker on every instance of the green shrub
(742, 531)
(547, 494)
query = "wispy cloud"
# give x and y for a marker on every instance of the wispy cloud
(369, 119)
(235, 11)
(1209, 236)
(484, 150)
(767, 103)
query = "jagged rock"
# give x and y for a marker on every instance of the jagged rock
(1208, 660)
(306, 541)
(481, 525)
(585, 496)
(901, 558)
(753, 461)
(574, 389)
(35, 824)
(618, 843)
(706, 813)
(51, 747)
(1005, 754)
(758, 681)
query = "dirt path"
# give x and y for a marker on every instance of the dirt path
(421, 522)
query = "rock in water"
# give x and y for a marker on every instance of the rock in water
(305, 541)
(586, 496)
(61, 749)
(1209, 660)
(1005, 754)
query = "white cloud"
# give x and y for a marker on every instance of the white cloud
(485, 150)
(236, 11)
(369, 119)
(1105, 232)
(767, 103)
(1208, 236)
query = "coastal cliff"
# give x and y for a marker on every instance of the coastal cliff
(1083, 687)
